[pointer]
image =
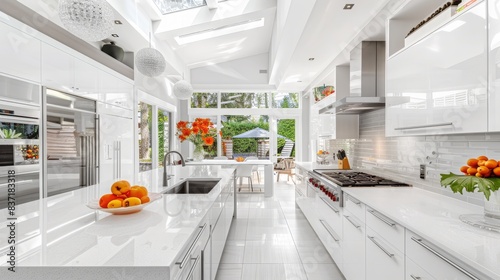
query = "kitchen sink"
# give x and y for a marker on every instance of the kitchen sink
(193, 186)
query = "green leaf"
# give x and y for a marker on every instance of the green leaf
(458, 183)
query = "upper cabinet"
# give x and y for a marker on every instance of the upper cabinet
(62, 71)
(19, 54)
(438, 85)
(116, 91)
(494, 65)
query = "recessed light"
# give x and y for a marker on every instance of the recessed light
(348, 6)
(311, 58)
(115, 35)
(118, 22)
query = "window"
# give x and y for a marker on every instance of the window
(285, 100)
(244, 100)
(145, 135)
(204, 100)
(171, 6)
(163, 134)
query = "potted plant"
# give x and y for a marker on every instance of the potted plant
(201, 132)
(480, 175)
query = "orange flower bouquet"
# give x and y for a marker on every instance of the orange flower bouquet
(201, 132)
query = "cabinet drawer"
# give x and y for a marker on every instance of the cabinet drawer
(332, 241)
(435, 261)
(356, 207)
(383, 261)
(353, 244)
(415, 272)
(188, 260)
(330, 212)
(388, 229)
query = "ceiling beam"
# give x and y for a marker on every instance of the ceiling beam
(212, 4)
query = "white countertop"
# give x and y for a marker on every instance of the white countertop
(435, 218)
(230, 162)
(310, 166)
(62, 231)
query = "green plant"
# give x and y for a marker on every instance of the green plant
(458, 183)
(9, 134)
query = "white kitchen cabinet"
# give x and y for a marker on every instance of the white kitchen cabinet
(415, 272)
(494, 65)
(353, 247)
(436, 262)
(439, 84)
(115, 91)
(64, 72)
(19, 54)
(330, 229)
(383, 261)
(116, 144)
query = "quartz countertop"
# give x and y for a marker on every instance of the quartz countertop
(436, 218)
(310, 166)
(62, 231)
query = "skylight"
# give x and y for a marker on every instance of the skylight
(171, 6)
(219, 31)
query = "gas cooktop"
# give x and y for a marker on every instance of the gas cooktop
(358, 179)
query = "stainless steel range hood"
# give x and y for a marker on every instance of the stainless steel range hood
(367, 85)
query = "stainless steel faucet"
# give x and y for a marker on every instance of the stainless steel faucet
(165, 176)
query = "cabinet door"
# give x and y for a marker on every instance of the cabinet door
(353, 247)
(439, 84)
(86, 79)
(415, 272)
(115, 91)
(218, 243)
(57, 69)
(19, 54)
(116, 148)
(383, 261)
(206, 254)
(494, 65)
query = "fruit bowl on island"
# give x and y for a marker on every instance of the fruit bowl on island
(124, 199)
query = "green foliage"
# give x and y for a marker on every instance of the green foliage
(286, 128)
(234, 127)
(458, 183)
(162, 119)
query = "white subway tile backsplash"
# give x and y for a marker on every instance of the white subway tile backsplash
(399, 157)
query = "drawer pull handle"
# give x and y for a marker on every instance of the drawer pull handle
(330, 231)
(355, 201)
(382, 218)
(190, 274)
(182, 263)
(372, 238)
(424, 126)
(354, 224)
(329, 205)
(415, 277)
(437, 254)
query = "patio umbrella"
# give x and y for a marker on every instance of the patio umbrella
(256, 133)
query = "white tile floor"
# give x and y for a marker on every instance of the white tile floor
(271, 239)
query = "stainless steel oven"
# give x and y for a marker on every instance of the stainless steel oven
(19, 140)
(317, 183)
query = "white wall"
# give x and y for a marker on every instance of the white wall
(239, 72)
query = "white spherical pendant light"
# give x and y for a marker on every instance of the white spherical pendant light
(183, 90)
(150, 62)
(91, 20)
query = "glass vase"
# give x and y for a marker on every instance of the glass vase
(198, 153)
(492, 207)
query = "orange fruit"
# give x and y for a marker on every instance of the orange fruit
(472, 162)
(491, 163)
(145, 199)
(481, 162)
(496, 171)
(120, 187)
(115, 203)
(483, 170)
(482, 158)
(487, 174)
(464, 168)
(105, 199)
(131, 201)
(479, 175)
(138, 191)
(471, 170)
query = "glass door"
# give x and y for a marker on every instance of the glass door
(70, 124)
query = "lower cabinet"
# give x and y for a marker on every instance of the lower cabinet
(415, 272)
(190, 265)
(353, 247)
(383, 261)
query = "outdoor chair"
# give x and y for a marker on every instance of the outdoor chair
(255, 168)
(286, 152)
(286, 166)
(245, 171)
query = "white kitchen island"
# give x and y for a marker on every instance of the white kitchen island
(61, 238)
(268, 170)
